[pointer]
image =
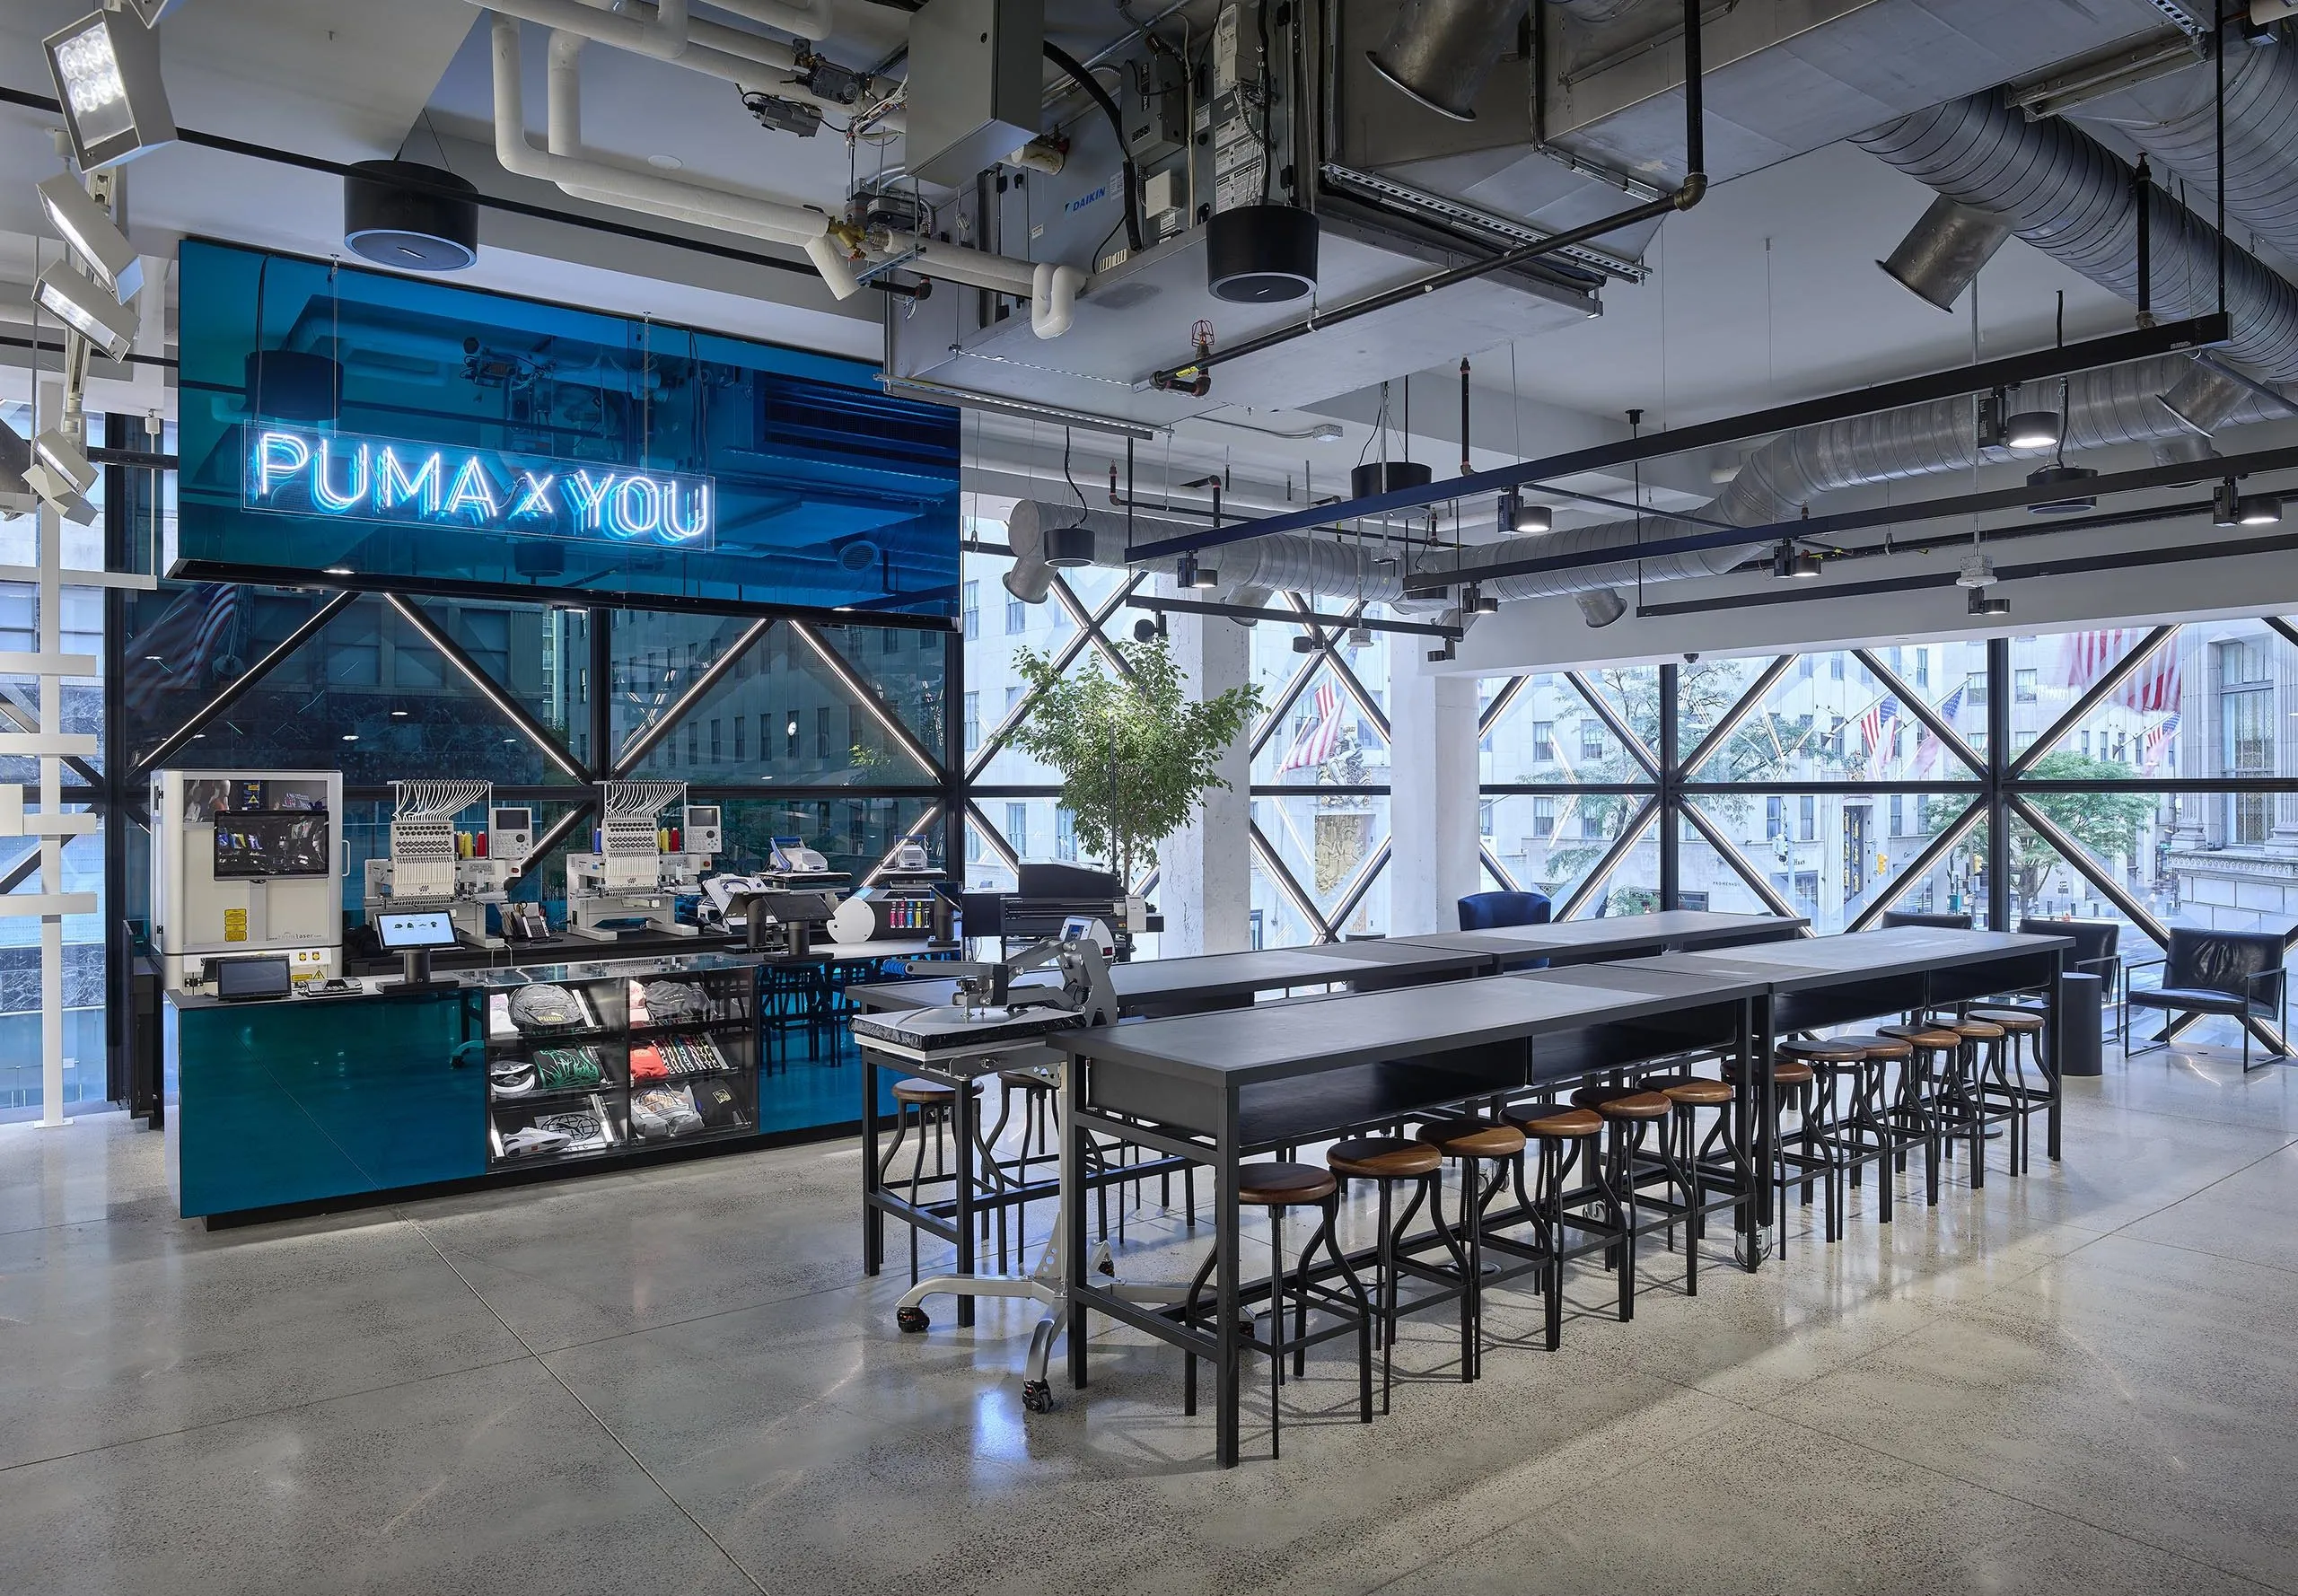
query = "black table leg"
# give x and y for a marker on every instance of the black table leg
(1764, 1094)
(963, 1112)
(1074, 1265)
(874, 1217)
(2056, 1033)
(1225, 1312)
(1755, 1200)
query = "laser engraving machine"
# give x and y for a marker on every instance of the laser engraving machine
(433, 865)
(642, 865)
(243, 862)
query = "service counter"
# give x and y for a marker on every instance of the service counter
(504, 1075)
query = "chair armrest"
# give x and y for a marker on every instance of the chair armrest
(2131, 969)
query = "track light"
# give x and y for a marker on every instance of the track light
(1304, 644)
(106, 68)
(1982, 602)
(1792, 563)
(2231, 509)
(16, 494)
(55, 490)
(55, 450)
(1516, 516)
(2062, 476)
(1474, 601)
(73, 300)
(1188, 573)
(1146, 630)
(88, 228)
(1977, 571)
(1360, 636)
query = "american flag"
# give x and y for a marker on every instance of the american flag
(181, 649)
(1317, 738)
(1927, 747)
(2152, 689)
(2158, 738)
(1881, 722)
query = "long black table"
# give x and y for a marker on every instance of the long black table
(1149, 987)
(1609, 937)
(1217, 1087)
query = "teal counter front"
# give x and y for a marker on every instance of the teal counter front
(303, 1102)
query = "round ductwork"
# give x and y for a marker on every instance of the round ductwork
(1259, 254)
(1943, 253)
(394, 215)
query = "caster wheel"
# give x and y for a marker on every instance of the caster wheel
(1037, 1396)
(912, 1320)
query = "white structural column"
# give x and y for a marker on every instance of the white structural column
(1432, 791)
(1206, 869)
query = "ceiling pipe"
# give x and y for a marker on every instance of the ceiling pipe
(1943, 252)
(812, 19)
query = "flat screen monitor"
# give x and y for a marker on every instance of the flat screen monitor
(400, 934)
(268, 844)
(237, 980)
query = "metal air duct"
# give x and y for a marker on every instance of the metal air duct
(1943, 251)
(1439, 52)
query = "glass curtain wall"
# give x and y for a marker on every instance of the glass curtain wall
(1320, 749)
(2148, 776)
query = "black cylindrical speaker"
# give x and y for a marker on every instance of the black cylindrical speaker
(394, 215)
(1378, 477)
(1259, 254)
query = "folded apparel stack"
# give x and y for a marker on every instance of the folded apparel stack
(715, 1103)
(661, 1112)
(544, 1008)
(691, 1056)
(566, 1069)
(585, 1130)
(647, 1065)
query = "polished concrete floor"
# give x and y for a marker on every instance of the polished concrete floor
(677, 1380)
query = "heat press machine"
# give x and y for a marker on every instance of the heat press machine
(244, 863)
(792, 864)
(1000, 1022)
(434, 867)
(640, 865)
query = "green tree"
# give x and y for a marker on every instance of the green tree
(1136, 754)
(2106, 822)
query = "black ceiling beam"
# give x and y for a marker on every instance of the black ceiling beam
(1298, 618)
(2169, 337)
(1426, 584)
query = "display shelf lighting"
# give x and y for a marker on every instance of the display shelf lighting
(88, 228)
(106, 69)
(88, 310)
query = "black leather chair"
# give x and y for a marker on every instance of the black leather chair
(2098, 946)
(2235, 973)
(1893, 917)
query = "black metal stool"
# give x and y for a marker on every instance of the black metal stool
(1384, 1160)
(2022, 1029)
(1275, 1187)
(1471, 1142)
(1627, 1110)
(1693, 1158)
(1865, 1120)
(1562, 1135)
(1978, 1057)
(1918, 1111)
(927, 1104)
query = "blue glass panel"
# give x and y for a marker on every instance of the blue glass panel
(545, 446)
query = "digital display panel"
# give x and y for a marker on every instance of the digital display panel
(271, 843)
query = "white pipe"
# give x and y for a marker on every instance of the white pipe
(998, 273)
(1053, 298)
(667, 34)
(808, 20)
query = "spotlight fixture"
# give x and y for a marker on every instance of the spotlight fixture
(1066, 547)
(89, 229)
(2031, 429)
(1360, 636)
(1982, 602)
(55, 490)
(1516, 516)
(106, 68)
(1449, 652)
(2067, 476)
(1304, 644)
(73, 300)
(16, 494)
(55, 450)
(1148, 630)
(1188, 573)
(1977, 571)
(1792, 563)
(2231, 509)
(1474, 601)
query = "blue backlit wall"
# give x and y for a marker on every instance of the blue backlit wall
(465, 437)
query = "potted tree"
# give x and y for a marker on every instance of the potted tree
(1136, 754)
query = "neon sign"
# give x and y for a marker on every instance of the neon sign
(297, 471)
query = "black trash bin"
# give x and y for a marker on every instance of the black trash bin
(2082, 1044)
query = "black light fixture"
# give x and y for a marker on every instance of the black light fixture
(2229, 508)
(1304, 644)
(1066, 547)
(2031, 429)
(1148, 630)
(1982, 602)
(395, 214)
(1260, 254)
(1188, 573)
(2065, 476)
(1792, 563)
(1518, 517)
(1474, 601)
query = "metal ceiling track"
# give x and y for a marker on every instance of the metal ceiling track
(1424, 585)
(1297, 618)
(2169, 337)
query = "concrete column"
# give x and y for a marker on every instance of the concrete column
(1432, 794)
(1207, 888)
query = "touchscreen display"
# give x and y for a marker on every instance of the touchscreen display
(430, 930)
